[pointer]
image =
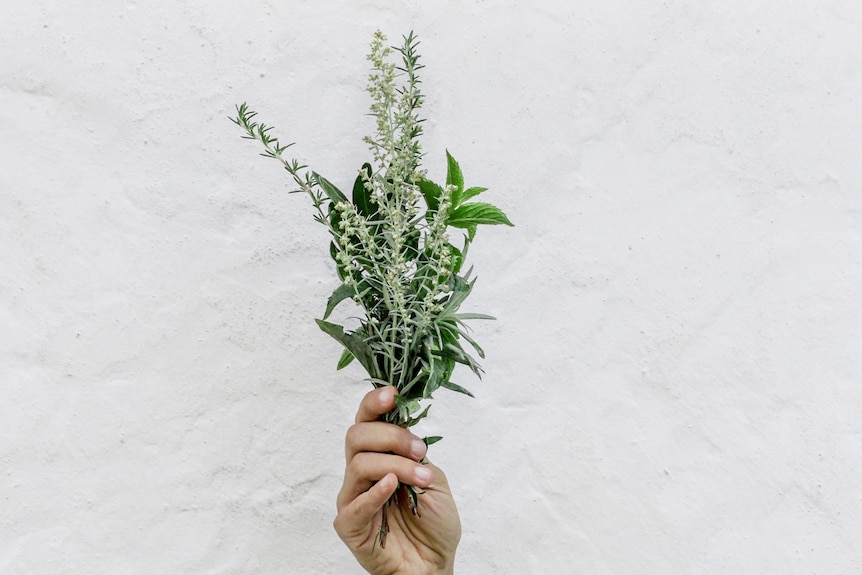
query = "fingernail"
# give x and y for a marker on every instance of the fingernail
(417, 449)
(423, 474)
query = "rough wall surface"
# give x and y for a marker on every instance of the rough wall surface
(673, 385)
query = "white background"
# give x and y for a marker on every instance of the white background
(673, 383)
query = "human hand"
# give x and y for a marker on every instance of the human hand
(379, 455)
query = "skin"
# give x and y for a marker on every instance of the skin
(379, 455)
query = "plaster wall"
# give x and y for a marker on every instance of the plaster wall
(673, 384)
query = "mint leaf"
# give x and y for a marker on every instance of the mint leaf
(477, 213)
(431, 192)
(454, 177)
(472, 192)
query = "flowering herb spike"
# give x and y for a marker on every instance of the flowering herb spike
(391, 246)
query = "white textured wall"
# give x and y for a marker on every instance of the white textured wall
(673, 385)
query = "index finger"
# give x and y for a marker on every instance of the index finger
(376, 403)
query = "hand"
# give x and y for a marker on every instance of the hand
(379, 455)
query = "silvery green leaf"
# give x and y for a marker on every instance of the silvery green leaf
(456, 387)
(333, 193)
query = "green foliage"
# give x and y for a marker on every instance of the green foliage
(345, 359)
(340, 294)
(431, 192)
(361, 199)
(454, 178)
(477, 213)
(391, 246)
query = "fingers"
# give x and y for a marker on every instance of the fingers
(354, 519)
(379, 456)
(367, 468)
(376, 403)
(383, 438)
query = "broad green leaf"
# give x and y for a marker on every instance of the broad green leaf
(339, 268)
(340, 294)
(431, 192)
(352, 343)
(331, 191)
(334, 217)
(450, 367)
(454, 177)
(477, 213)
(431, 439)
(471, 232)
(361, 198)
(472, 192)
(456, 387)
(344, 361)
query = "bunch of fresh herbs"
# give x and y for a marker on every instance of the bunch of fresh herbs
(390, 241)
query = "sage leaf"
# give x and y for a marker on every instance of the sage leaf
(333, 193)
(456, 387)
(462, 316)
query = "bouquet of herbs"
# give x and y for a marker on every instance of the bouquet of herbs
(390, 241)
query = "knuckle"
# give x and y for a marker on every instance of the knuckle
(355, 465)
(352, 435)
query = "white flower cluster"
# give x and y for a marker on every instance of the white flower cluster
(400, 251)
(439, 260)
